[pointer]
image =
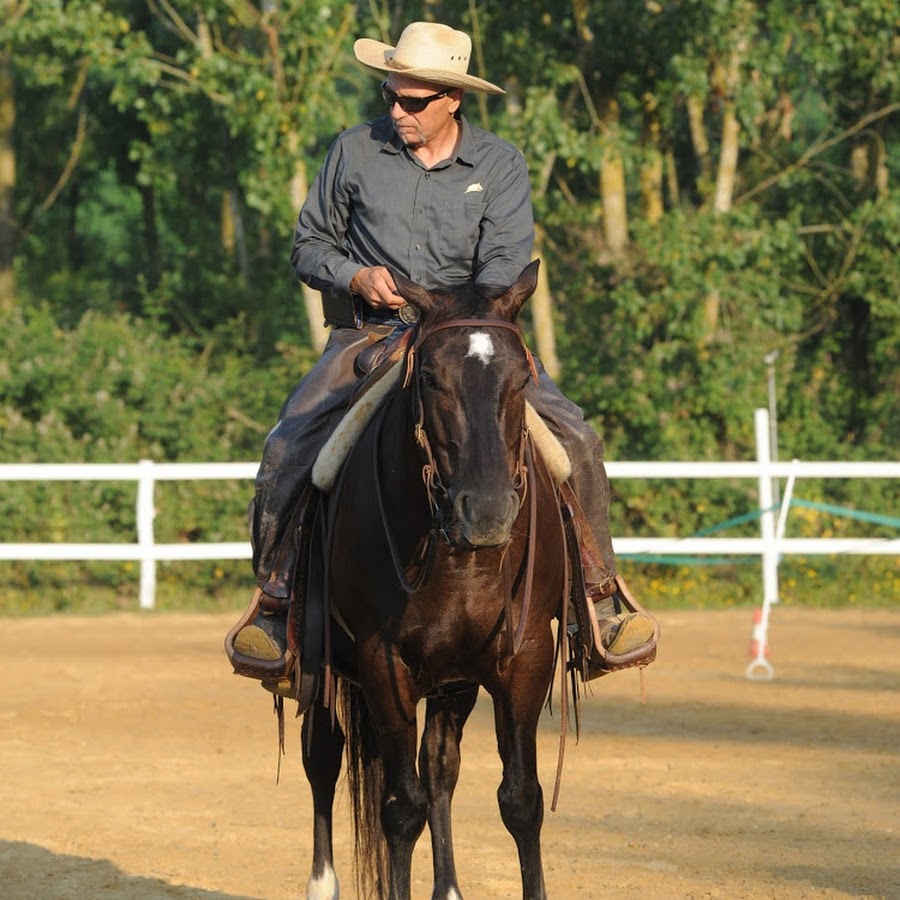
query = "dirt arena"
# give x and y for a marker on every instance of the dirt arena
(133, 764)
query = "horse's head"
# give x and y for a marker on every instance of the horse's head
(469, 369)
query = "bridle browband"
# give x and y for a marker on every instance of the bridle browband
(425, 333)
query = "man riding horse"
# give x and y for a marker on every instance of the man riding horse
(423, 192)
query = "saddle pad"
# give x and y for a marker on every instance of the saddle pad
(337, 448)
(552, 451)
(332, 456)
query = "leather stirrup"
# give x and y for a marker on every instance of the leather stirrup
(262, 669)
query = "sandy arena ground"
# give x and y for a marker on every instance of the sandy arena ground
(133, 764)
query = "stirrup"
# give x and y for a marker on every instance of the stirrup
(261, 669)
(601, 661)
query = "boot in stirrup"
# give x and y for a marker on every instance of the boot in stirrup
(623, 634)
(257, 645)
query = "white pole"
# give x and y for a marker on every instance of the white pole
(760, 669)
(146, 512)
(766, 503)
(769, 359)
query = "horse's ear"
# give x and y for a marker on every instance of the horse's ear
(412, 292)
(509, 304)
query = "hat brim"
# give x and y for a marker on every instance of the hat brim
(372, 53)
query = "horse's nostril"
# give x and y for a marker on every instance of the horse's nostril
(485, 518)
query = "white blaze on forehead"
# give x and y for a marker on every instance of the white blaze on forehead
(481, 347)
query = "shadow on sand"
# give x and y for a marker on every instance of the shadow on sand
(28, 871)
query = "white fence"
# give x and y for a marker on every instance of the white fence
(769, 545)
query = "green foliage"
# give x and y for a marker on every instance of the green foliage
(161, 150)
(116, 389)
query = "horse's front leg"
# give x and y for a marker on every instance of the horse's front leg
(392, 701)
(323, 746)
(517, 706)
(445, 717)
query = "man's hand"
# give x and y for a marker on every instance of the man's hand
(375, 285)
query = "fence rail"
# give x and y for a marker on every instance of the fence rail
(769, 546)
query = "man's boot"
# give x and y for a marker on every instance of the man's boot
(627, 634)
(257, 645)
(622, 633)
(264, 637)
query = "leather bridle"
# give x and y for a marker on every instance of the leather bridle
(437, 492)
(434, 486)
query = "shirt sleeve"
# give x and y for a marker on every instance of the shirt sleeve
(507, 227)
(318, 254)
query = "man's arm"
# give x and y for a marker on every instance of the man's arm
(318, 255)
(507, 227)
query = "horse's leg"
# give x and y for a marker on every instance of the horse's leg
(392, 705)
(439, 767)
(517, 708)
(323, 747)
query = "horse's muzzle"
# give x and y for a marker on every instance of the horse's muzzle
(484, 519)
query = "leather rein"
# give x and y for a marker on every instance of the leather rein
(438, 494)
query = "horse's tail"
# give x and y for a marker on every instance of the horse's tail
(365, 778)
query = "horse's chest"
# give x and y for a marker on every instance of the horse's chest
(449, 636)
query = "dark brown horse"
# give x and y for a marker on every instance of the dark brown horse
(445, 568)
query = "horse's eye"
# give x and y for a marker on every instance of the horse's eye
(428, 381)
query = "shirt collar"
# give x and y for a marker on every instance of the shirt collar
(383, 130)
(467, 140)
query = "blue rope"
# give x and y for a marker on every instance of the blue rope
(845, 511)
(878, 519)
(736, 520)
(691, 560)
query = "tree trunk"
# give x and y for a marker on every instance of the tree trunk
(672, 179)
(542, 314)
(728, 160)
(700, 144)
(652, 166)
(725, 81)
(8, 230)
(233, 235)
(312, 300)
(542, 299)
(612, 181)
(724, 195)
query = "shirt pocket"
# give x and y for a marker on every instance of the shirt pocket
(461, 230)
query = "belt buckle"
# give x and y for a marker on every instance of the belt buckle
(409, 315)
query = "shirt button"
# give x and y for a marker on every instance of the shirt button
(418, 246)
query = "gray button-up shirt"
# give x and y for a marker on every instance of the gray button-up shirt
(373, 203)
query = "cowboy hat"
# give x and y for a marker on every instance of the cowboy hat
(428, 52)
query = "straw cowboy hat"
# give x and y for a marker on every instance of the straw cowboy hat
(428, 52)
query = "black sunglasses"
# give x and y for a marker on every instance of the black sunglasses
(409, 104)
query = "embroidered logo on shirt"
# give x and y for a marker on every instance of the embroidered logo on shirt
(474, 188)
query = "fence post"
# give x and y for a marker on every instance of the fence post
(766, 503)
(760, 668)
(146, 512)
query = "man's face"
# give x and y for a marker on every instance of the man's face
(419, 128)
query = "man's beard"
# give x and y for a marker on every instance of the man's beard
(410, 135)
